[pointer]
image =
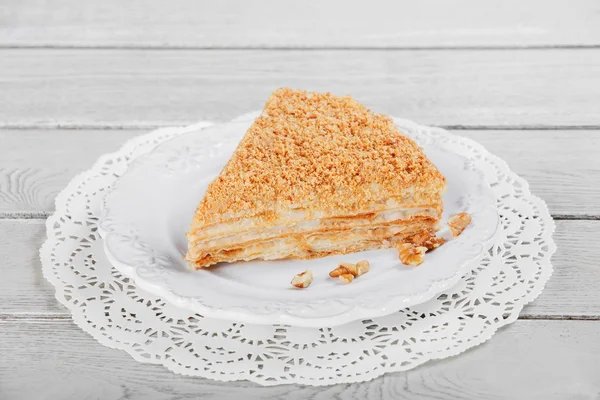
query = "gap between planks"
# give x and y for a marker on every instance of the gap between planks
(126, 47)
(42, 215)
(40, 318)
(142, 126)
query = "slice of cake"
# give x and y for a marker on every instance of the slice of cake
(316, 175)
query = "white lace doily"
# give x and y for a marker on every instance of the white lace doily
(110, 308)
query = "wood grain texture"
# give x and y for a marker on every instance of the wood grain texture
(560, 166)
(572, 292)
(425, 61)
(272, 23)
(36, 165)
(24, 290)
(118, 88)
(29, 180)
(54, 360)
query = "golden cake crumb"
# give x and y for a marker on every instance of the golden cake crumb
(410, 254)
(317, 149)
(458, 222)
(303, 279)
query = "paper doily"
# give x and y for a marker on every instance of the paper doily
(110, 308)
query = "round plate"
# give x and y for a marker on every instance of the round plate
(148, 211)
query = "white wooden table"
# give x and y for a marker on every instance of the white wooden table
(78, 78)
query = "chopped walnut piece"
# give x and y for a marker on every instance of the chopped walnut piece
(346, 278)
(343, 268)
(355, 270)
(426, 239)
(362, 267)
(410, 254)
(458, 223)
(303, 279)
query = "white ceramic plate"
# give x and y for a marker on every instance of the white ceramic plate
(147, 213)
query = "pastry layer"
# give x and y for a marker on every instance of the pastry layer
(304, 213)
(316, 244)
(200, 246)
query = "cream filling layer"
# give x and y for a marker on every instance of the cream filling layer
(199, 247)
(229, 225)
(320, 243)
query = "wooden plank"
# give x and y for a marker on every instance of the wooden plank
(572, 292)
(147, 87)
(61, 361)
(36, 165)
(558, 165)
(31, 175)
(24, 288)
(271, 23)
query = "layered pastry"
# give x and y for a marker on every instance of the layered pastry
(316, 175)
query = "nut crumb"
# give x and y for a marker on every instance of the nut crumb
(303, 279)
(458, 223)
(362, 267)
(343, 268)
(346, 278)
(426, 239)
(410, 254)
(356, 270)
